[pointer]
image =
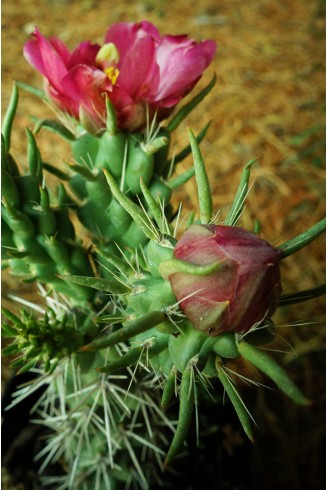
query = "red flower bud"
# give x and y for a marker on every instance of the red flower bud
(241, 292)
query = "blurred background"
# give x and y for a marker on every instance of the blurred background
(269, 104)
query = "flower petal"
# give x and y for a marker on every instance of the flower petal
(139, 62)
(84, 54)
(181, 64)
(125, 34)
(45, 58)
(86, 85)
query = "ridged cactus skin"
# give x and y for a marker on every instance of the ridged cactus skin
(39, 241)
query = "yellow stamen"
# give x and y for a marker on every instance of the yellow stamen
(112, 73)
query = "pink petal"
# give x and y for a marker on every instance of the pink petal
(84, 54)
(136, 65)
(181, 64)
(44, 57)
(61, 49)
(62, 102)
(125, 34)
(87, 85)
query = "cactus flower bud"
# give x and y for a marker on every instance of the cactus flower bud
(242, 291)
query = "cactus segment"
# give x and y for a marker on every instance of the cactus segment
(9, 191)
(130, 329)
(160, 190)
(238, 404)
(226, 346)
(302, 240)
(187, 399)
(240, 196)
(8, 119)
(29, 188)
(271, 368)
(186, 346)
(139, 164)
(85, 150)
(203, 185)
(112, 152)
(18, 221)
(158, 253)
(43, 340)
(187, 108)
(137, 214)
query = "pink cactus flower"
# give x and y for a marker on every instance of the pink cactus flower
(137, 68)
(243, 291)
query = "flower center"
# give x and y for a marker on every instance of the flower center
(108, 57)
(112, 73)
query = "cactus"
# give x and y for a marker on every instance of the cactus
(144, 319)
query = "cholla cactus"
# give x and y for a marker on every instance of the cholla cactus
(159, 311)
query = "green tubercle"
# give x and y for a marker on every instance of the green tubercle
(203, 185)
(271, 368)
